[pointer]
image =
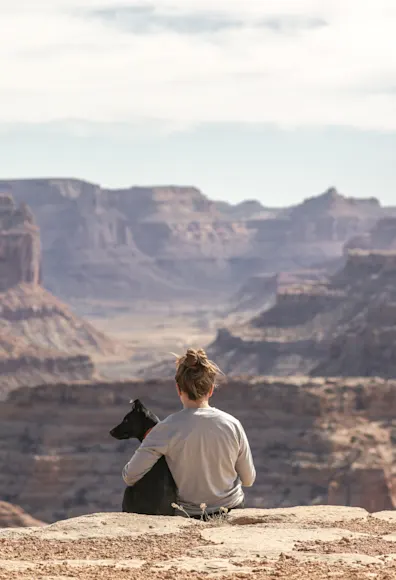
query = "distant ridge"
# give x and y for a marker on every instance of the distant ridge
(173, 243)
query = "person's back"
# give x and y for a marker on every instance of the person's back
(206, 449)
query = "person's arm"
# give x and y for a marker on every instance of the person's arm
(244, 465)
(151, 449)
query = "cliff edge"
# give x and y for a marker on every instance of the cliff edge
(314, 441)
(312, 543)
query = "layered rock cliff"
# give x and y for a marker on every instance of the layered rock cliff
(20, 259)
(258, 293)
(30, 313)
(381, 237)
(41, 340)
(364, 342)
(165, 242)
(344, 326)
(313, 441)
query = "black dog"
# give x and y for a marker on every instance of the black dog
(155, 493)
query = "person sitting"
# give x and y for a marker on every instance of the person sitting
(206, 449)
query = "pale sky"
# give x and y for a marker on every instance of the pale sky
(271, 99)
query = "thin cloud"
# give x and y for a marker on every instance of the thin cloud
(200, 61)
(148, 19)
(290, 24)
(145, 19)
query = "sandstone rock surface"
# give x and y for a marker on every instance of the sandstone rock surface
(314, 441)
(171, 242)
(316, 543)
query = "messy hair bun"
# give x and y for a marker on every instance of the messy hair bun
(194, 357)
(190, 358)
(196, 374)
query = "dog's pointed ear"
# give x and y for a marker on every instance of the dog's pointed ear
(136, 404)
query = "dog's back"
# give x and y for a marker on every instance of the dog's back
(155, 493)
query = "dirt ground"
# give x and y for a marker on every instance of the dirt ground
(312, 543)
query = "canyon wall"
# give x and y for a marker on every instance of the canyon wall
(381, 237)
(41, 340)
(364, 343)
(313, 441)
(172, 242)
(340, 327)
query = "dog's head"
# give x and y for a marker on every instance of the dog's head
(136, 423)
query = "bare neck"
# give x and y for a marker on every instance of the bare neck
(201, 404)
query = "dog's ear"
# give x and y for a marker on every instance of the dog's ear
(140, 408)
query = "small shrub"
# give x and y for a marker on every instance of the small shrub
(215, 519)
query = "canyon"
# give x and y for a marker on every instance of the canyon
(302, 294)
(314, 441)
(173, 243)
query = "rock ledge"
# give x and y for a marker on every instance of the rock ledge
(294, 543)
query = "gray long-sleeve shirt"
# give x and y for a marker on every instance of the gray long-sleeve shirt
(208, 454)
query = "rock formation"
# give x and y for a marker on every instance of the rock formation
(172, 242)
(364, 343)
(12, 516)
(30, 313)
(313, 440)
(259, 292)
(381, 237)
(24, 364)
(19, 245)
(41, 340)
(342, 327)
(313, 543)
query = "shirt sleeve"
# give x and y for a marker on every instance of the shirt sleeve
(148, 453)
(244, 465)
